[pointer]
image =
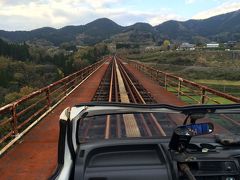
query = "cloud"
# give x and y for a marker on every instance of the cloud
(30, 15)
(160, 18)
(190, 1)
(126, 17)
(223, 8)
(58, 13)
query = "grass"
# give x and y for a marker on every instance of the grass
(221, 100)
(196, 99)
(218, 82)
(201, 57)
(229, 87)
(216, 69)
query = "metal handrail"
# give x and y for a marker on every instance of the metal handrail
(15, 116)
(178, 81)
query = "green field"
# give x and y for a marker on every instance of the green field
(217, 82)
(196, 99)
(229, 87)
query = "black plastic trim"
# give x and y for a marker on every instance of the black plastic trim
(167, 162)
(183, 109)
(70, 140)
(61, 149)
(170, 162)
(79, 121)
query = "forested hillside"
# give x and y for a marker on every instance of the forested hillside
(220, 28)
(14, 50)
(89, 34)
(24, 68)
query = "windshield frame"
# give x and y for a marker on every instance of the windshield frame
(84, 111)
(100, 108)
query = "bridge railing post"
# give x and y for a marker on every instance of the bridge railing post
(14, 119)
(65, 86)
(165, 81)
(180, 80)
(157, 77)
(48, 97)
(75, 80)
(203, 96)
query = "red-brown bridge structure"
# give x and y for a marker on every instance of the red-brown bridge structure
(29, 126)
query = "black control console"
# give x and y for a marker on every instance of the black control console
(148, 159)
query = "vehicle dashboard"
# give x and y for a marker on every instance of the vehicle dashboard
(151, 159)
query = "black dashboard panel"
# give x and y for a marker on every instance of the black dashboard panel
(126, 162)
(125, 158)
(150, 159)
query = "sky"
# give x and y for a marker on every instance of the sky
(32, 14)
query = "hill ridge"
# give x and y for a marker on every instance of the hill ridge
(222, 27)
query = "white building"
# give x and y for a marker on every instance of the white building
(152, 48)
(213, 45)
(187, 46)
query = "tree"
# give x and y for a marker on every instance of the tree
(166, 45)
(17, 51)
(10, 97)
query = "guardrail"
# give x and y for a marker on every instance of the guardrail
(188, 91)
(17, 116)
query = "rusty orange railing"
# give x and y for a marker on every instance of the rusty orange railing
(17, 116)
(186, 90)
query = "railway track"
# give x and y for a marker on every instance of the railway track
(110, 80)
(120, 85)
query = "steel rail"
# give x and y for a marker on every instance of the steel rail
(160, 74)
(100, 95)
(205, 92)
(137, 98)
(116, 98)
(108, 121)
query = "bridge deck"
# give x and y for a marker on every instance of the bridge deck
(35, 156)
(158, 92)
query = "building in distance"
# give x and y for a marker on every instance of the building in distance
(212, 45)
(187, 46)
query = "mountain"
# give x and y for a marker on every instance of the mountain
(99, 30)
(218, 28)
(221, 28)
(139, 33)
(89, 34)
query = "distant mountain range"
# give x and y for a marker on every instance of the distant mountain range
(219, 28)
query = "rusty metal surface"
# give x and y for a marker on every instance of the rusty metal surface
(139, 98)
(158, 92)
(35, 155)
(162, 96)
(129, 90)
(177, 83)
(15, 117)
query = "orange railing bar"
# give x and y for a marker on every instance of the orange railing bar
(14, 117)
(157, 74)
